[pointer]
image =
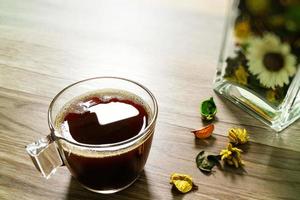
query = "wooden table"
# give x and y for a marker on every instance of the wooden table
(171, 47)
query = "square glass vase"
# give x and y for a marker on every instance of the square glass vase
(258, 66)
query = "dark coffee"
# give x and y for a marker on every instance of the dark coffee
(105, 119)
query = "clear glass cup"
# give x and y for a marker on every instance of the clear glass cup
(258, 66)
(106, 168)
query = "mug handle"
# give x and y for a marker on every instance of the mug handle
(45, 156)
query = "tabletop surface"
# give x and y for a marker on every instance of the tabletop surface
(171, 47)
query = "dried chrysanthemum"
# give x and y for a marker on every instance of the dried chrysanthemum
(238, 136)
(232, 156)
(182, 182)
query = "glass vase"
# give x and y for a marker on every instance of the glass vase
(258, 67)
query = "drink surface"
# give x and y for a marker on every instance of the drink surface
(103, 118)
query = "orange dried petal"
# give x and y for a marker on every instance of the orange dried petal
(204, 132)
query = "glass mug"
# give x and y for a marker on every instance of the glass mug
(102, 168)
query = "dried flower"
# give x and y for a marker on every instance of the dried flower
(241, 75)
(204, 132)
(208, 109)
(258, 7)
(232, 156)
(238, 136)
(271, 95)
(182, 182)
(271, 60)
(242, 30)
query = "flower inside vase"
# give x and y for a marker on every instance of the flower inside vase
(267, 47)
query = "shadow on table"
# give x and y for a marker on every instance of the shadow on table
(241, 119)
(258, 133)
(205, 143)
(139, 190)
(176, 195)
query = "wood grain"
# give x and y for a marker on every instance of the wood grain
(169, 46)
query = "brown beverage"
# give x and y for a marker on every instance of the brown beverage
(105, 117)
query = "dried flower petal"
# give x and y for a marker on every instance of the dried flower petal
(208, 109)
(182, 182)
(204, 132)
(232, 156)
(238, 136)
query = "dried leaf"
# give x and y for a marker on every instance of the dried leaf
(206, 163)
(204, 132)
(208, 109)
(182, 182)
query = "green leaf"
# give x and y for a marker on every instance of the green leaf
(208, 109)
(206, 163)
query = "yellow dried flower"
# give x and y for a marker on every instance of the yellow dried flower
(258, 7)
(232, 155)
(271, 95)
(241, 75)
(242, 30)
(238, 136)
(182, 182)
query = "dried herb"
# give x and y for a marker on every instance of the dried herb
(204, 132)
(206, 162)
(182, 182)
(208, 109)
